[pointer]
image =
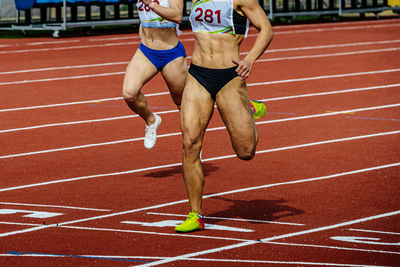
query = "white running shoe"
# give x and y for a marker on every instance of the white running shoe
(150, 137)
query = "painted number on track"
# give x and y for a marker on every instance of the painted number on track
(31, 214)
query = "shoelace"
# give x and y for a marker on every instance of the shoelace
(191, 216)
(149, 129)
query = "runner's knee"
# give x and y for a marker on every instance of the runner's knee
(246, 153)
(130, 93)
(191, 144)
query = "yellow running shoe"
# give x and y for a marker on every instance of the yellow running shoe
(258, 108)
(192, 223)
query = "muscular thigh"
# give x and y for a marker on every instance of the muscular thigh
(234, 106)
(139, 71)
(174, 74)
(196, 111)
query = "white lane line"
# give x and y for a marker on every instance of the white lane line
(329, 114)
(81, 122)
(242, 53)
(65, 67)
(312, 26)
(151, 233)
(52, 42)
(258, 61)
(331, 55)
(51, 206)
(374, 231)
(98, 101)
(227, 219)
(336, 24)
(347, 28)
(173, 111)
(28, 230)
(179, 133)
(334, 247)
(127, 258)
(328, 46)
(206, 196)
(292, 263)
(332, 92)
(204, 160)
(337, 28)
(94, 101)
(240, 245)
(327, 77)
(71, 47)
(209, 237)
(65, 78)
(22, 224)
(129, 231)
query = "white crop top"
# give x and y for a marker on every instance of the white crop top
(150, 19)
(216, 16)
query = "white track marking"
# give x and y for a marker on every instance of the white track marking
(329, 114)
(63, 104)
(53, 42)
(22, 224)
(68, 48)
(312, 26)
(332, 92)
(81, 122)
(382, 50)
(105, 257)
(204, 160)
(326, 46)
(293, 263)
(174, 223)
(65, 67)
(136, 37)
(227, 219)
(334, 247)
(206, 196)
(215, 237)
(324, 29)
(242, 53)
(373, 231)
(50, 206)
(173, 111)
(207, 130)
(335, 24)
(315, 230)
(326, 77)
(150, 233)
(65, 78)
(97, 101)
(28, 230)
(207, 237)
(258, 61)
(31, 213)
(347, 28)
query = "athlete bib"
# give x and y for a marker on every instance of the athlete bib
(212, 16)
(151, 19)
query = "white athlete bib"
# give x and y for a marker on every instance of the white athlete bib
(150, 19)
(212, 16)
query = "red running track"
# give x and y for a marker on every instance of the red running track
(77, 186)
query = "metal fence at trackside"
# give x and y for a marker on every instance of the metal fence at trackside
(58, 15)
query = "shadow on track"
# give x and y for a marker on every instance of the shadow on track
(257, 209)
